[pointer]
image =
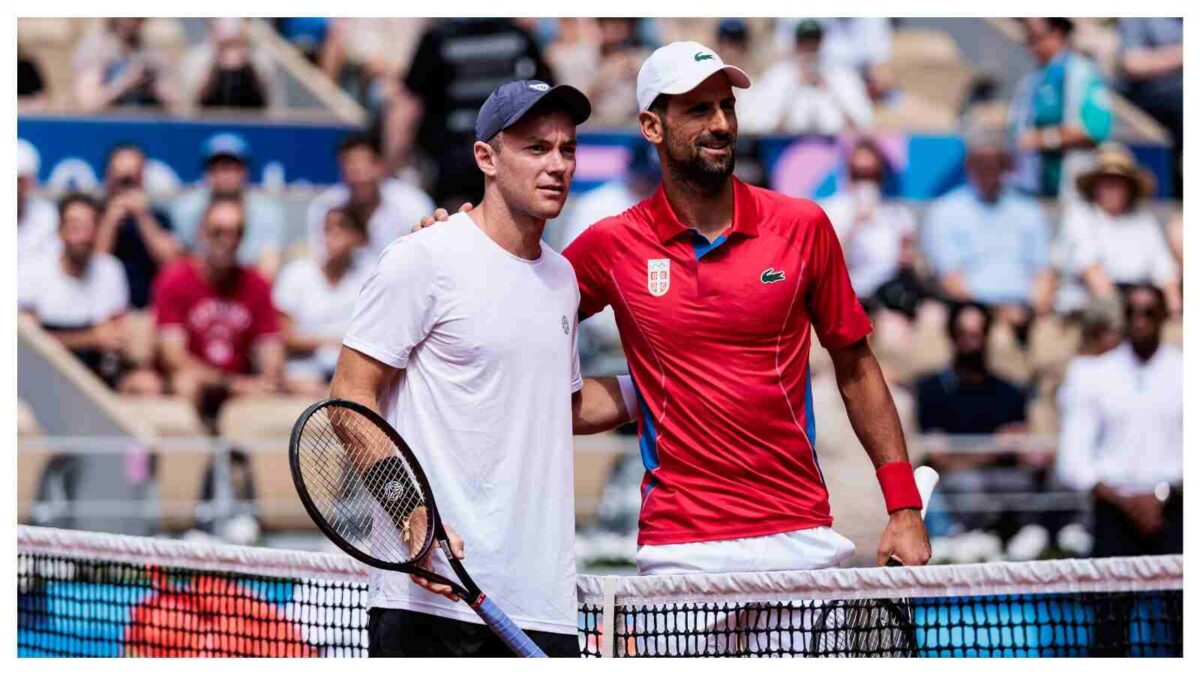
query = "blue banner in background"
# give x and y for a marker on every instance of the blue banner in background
(72, 152)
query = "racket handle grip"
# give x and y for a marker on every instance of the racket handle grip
(509, 632)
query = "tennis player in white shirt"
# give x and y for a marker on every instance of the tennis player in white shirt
(464, 339)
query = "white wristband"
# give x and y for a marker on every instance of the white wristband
(629, 396)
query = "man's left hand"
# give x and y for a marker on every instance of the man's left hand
(905, 539)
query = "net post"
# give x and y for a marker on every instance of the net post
(608, 613)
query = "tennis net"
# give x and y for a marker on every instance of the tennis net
(93, 594)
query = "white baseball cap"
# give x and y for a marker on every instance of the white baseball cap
(28, 159)
(680, 67)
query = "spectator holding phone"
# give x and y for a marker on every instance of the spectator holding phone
(113, 67)
(139, 235)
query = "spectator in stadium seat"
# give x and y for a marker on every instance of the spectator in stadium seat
(442, 97)
(1111, 238)
(80, 297)
(31, 85)
(1060, 112)
(862, 44)
(733, 43)
(1150, 63)
(1122, 434)
(804, 93)
(132, 229)
(226, 173)
(612, 85)
(988, 243)
(388, 206)
(877, 235)
(316, 299)
(225, 71)
(37, 219)
(112, 67)
(967, 398)
(574, 54)
(219, 333)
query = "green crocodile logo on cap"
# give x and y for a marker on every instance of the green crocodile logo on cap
(701, 56)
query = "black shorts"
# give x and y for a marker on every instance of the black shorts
(401, 633)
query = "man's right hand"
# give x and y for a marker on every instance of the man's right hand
(416, 536)
(1146, 512)
(440, 216)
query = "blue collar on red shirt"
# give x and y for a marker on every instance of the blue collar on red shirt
(667, 225)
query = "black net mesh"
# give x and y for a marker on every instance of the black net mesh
(105, 595)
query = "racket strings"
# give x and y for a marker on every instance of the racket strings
(341, 458)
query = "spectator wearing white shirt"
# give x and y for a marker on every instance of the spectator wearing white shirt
(315, 301)
(1111, 239)
(80, 298)
(37, 220)
(804, 93)
(861, 43)
(389, 207)
(1122, 434)
(877, 236)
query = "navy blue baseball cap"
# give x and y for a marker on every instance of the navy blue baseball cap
(513, 100)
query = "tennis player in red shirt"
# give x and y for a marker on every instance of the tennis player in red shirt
(717, 286)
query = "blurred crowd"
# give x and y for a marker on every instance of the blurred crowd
(1044, 295)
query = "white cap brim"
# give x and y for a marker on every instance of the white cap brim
(689, 81)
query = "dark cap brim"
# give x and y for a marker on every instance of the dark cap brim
(224, 155)
(564, 95)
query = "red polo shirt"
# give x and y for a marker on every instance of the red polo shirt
(717, 339)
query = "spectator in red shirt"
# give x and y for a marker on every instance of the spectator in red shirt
(219, 333)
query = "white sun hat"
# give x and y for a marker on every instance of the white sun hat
(680, 67)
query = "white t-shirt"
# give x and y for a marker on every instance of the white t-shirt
(401, 206)
(487, 342)
(317, 308)
(1131, 248)
(37, 232)
(60, 300)
(1122, 420)
(873, 251)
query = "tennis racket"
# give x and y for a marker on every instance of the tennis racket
(873, 627)
(363, 487)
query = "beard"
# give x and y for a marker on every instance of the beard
(78, 256)
(686, 161)
(971, 360)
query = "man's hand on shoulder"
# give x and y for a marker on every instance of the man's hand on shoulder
(440, 216)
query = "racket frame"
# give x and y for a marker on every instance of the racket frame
(467, 590)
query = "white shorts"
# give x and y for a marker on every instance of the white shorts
(748, 630)
(812, 549)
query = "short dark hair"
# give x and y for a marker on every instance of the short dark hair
(359, 139)
(659, 107)
(123, 146)
(1127, 290)
(957, 309)
(72, 198)
(350, 219)
(1060, 25)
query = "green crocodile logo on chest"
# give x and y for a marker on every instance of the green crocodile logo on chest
(770, 275)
